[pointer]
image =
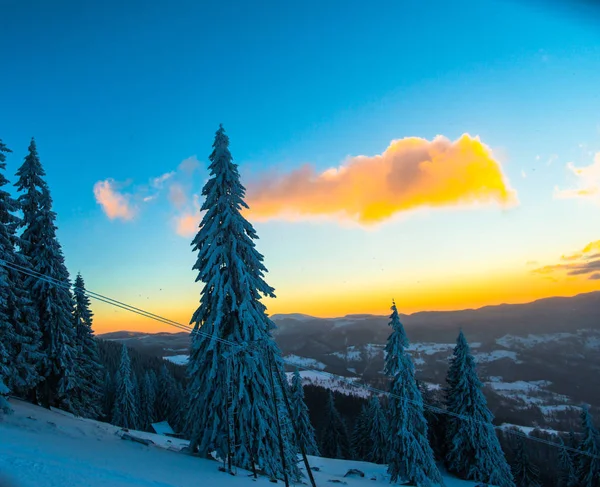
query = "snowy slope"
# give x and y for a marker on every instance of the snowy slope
(49, 448)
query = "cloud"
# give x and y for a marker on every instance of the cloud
(115, 204)
(595, 277)
(189, 165)
(584, 262)
(523, 174)
(411, 173)
(532, 262)
(177, 195)
(160, 180)
(588, 182)
(187, 222)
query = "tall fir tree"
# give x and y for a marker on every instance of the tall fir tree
(231, 402)
(300, 417)
(474, 451)
(567, 475)
(19, 327)
(378, 432)
(435, 420)
(148, 399)
(125, 413)
(89, 390)
(588, 461)
(167, 395)
(335, 442)
(525, 473)
(51, 295)
(410, 456)
(360, 441)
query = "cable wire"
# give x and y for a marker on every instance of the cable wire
(194, 331)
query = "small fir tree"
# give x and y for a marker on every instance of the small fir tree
(334, 433)
(588, 464)
(525, 473)
(124, 411)
(361, 435)
(568, 475)
(474, 451)
(410, 457)
(300, 417)
(90, 369)
(378, 432)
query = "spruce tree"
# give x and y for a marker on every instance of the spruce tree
(148, 399)
(231, 403)
(334, 433)
(568, 476)
(378, 432)
(51, 295)
(19, 327)
(300, 417)
(90, 369)
(167, 395)
(435, 420)
(410, 457)
(525, 473)
(474, 451)
(361, 435)
(124, 410)
(588, 464)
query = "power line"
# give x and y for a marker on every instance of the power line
(105, 299)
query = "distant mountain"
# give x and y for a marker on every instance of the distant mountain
(539, 356)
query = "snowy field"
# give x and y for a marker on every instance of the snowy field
(54, 449)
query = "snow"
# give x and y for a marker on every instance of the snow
(304, 362)
(327, 381)
(177, 359)
(428, 348)
(42, 447)
(509, 341)
(485, 357)
(520, 385)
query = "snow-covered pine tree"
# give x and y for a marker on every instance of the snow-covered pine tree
(435, 420)
(167, 395)
(108, 395)
(19, 346)
(588, 463)
(567, 475)
(525, 473)
(52, 301)
(221, 385)
(378, 432)
(410, 457)
(124, 411)
(335, 442)
(474, 451)
(89, 390)
(360, 441)
(300, 417)
(148, 399)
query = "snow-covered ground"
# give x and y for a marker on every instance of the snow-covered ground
(304, 362)
(178, 359)
(47, 448)
(485, 357)
(343, 386)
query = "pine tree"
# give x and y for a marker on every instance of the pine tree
(19, 328)
(474, 450)
(167, 395)
(568, 477)
(526, 474)
(360, 440)
(124, 411)
(90, 369)
(410, 456)
(51, 296)
(148, 399)
(588, 465)
(300, 417)
(378, 432)
(435, 420)
(334, 433)
(226, 382)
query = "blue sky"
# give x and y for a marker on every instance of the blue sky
(128, 90)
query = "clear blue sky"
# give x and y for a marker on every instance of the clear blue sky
(127, 90)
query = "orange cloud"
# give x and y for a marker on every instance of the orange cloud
(412, 173)
(186, 223)
(588, 182)
(114, 203)
(583, 263)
